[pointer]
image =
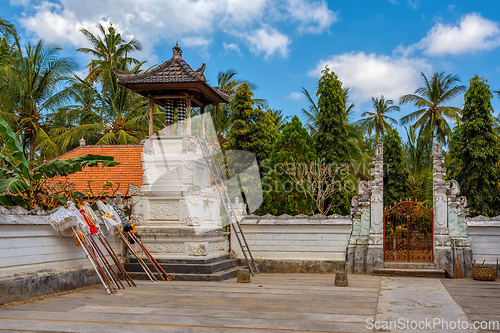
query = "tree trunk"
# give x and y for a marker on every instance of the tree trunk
(31, 138)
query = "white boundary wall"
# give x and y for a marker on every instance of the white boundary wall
(299, 237)
(484, 236)
(30, 247)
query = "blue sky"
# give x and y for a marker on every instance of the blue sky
(376, 47)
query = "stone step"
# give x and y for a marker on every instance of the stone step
(227, 274)
(184, 268)
(427, 273)
(410, 265)
(190, 261)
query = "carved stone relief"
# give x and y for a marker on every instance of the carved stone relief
(189, 144)
(136, 219)
(193, 194)
(165, 248)
(193, 221)
(164, 210)
(198, 249)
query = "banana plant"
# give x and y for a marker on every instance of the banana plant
(30, 187)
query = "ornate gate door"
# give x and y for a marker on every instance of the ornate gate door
(408, 233)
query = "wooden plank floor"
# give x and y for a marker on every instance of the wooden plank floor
(480, 300)
(270, 303)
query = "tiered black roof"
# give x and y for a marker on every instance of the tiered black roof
(173, 77)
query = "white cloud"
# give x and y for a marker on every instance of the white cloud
(371, 75)
(413, 3)
(54, 23)
(166, 21)
(199, 43)
(474, 33)
(231, 47)
(295, 96)
(313, 17)
(269, 41)
(19, 2)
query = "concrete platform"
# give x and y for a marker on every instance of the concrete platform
(269, 303)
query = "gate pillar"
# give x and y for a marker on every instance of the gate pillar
(442, 244)
(375, 252)
(366, 244)
(450, 228)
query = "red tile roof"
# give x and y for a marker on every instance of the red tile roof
(129, 171)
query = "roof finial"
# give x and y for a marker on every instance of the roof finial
(177, 51)
(82, 142)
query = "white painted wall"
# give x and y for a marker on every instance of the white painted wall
(295, 238)
(30, 247)
(484, 235)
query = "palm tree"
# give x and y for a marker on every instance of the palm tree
(431, 114)
(106, 112)
(7, 29)
(359, 159)
(418, 151)
(279, 119)
(221, 114)
(378, 120)
(311, 115)
(124, 119)
(29, 92)
(9, 33)
(108, 51)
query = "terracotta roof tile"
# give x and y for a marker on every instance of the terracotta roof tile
(129, 171)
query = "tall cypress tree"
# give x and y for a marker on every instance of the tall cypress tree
(331, 137)
(474, 151)
(253, 129)
(281, 195)
(396, 184)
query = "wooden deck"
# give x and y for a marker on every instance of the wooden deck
(270, 303)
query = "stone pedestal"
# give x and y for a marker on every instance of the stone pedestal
(176, 212)
(243, 276)
(341, 279)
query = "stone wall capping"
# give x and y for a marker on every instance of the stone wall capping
(39, 211)
(483, 218)
(485, 222)
(17, 210)
(297, 220)
(300, 216)
(22, 219)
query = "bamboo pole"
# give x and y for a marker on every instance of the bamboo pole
(113, 255)
(151, 258)
(109, 268)
(142, 248)
(94, 264)
(137, 256)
